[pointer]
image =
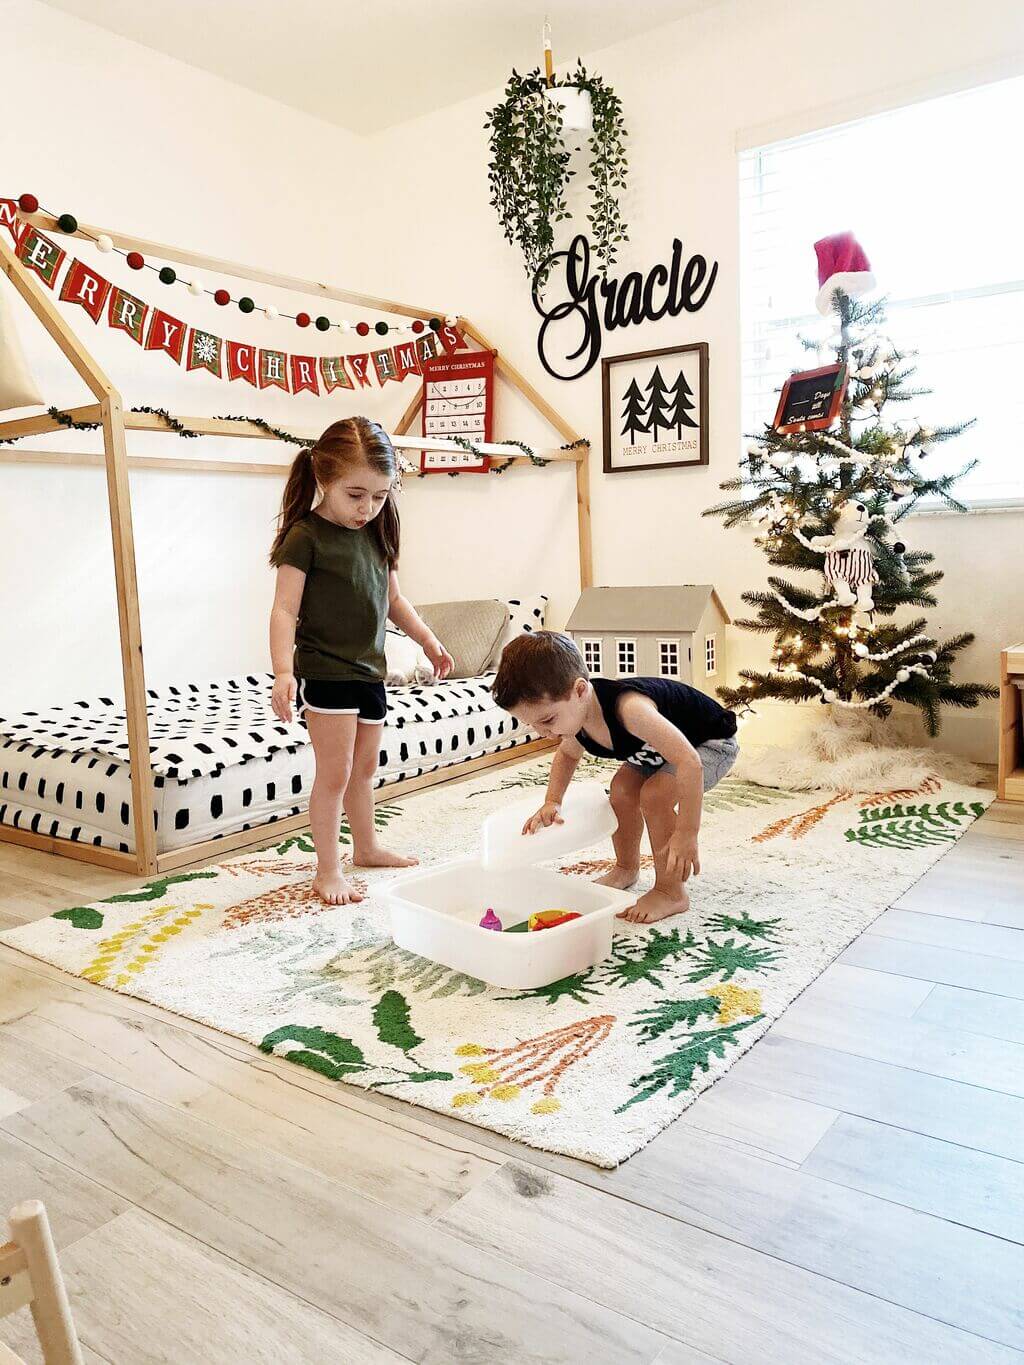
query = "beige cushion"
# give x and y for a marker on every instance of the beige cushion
(471, 632)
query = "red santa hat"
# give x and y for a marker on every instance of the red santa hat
(841, 265)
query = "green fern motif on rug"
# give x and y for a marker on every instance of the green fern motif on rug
(333, 1056)
(634, 959)
(88, 917)
(902, 826)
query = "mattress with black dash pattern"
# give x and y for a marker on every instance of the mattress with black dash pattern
(221, 761)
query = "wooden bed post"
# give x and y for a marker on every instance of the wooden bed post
(129, 626)
(119, 504)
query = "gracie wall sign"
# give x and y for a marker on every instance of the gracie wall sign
(569, 339)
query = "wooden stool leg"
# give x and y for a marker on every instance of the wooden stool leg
(30, 1229)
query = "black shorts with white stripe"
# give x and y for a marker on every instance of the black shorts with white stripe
(327, 696)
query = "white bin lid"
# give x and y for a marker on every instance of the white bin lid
(587, 816)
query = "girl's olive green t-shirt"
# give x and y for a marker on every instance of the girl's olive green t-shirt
(344, 609)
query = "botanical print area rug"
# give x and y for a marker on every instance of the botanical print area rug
(592, 1066)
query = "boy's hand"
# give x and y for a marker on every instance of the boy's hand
(549, 814)
(283, 696)
(681, 857)
(440, 660)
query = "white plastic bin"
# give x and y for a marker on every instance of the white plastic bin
(436, 911)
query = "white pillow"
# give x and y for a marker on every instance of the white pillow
(525, 614)
(17, 387)
(406, 662)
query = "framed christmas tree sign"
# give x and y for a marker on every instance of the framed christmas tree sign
(655, 408)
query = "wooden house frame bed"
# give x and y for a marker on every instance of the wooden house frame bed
(108, 410)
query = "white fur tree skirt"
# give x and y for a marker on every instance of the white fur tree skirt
(592, 1066)
(848, 751)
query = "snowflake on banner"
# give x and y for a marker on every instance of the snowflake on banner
(205, 348)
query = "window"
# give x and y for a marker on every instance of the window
(592, 655)
(627, 657)
(668, 658)
(954, 277)
(710, 655)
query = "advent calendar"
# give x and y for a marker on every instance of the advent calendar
(458, 397)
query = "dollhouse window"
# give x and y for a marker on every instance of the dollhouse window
(668, 658)
(592, 655)
(626, 657)
(710, 655)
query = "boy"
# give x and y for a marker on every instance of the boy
(677, 743)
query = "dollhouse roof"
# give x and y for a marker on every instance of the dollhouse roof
(644, 609)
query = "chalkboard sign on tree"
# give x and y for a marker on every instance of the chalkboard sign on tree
(811, 400)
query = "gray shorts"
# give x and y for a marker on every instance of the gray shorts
(716, 755)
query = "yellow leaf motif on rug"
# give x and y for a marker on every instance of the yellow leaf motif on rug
(132, 939)
(734, 1001)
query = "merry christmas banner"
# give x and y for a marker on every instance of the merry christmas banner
(153, 329)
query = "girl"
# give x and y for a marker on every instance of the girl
(337, 587)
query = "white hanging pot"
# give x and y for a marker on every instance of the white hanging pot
(577, 113)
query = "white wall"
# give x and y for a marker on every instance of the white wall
(122, 136)
(405, 214)
(689, 90)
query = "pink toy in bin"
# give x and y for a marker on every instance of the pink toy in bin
(491, 921)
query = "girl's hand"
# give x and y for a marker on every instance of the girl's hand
(282, 699)
(549, 814)
(440, 660)
(681, 857)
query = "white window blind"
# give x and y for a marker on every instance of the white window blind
(932, 195)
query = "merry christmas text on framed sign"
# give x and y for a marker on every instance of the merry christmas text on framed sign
(655, 408)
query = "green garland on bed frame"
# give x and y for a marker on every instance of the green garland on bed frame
(179, 428)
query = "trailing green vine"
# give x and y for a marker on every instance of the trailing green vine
(530, 169)
(180, 429)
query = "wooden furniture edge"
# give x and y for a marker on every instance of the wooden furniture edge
(70, 848)
(1010, 782)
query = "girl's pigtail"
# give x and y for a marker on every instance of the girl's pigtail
(387, 527)
(299, 496)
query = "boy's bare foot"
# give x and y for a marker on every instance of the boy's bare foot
(655, 905)
(621, 878)
(334, 889)
(381, 857)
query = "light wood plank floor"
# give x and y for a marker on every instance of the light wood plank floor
(851, 1191)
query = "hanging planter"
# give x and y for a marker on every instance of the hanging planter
(534, 132)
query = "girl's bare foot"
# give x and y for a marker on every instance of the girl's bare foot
(657, 904)
(621, 878)
(333, 889)
(381, 857)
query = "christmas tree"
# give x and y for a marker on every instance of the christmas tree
(658, 416)
(828, 502)
(633, 412)
(682, 405)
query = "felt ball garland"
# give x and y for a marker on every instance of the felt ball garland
(67, 223)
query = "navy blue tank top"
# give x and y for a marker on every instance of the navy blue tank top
(696, 715)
